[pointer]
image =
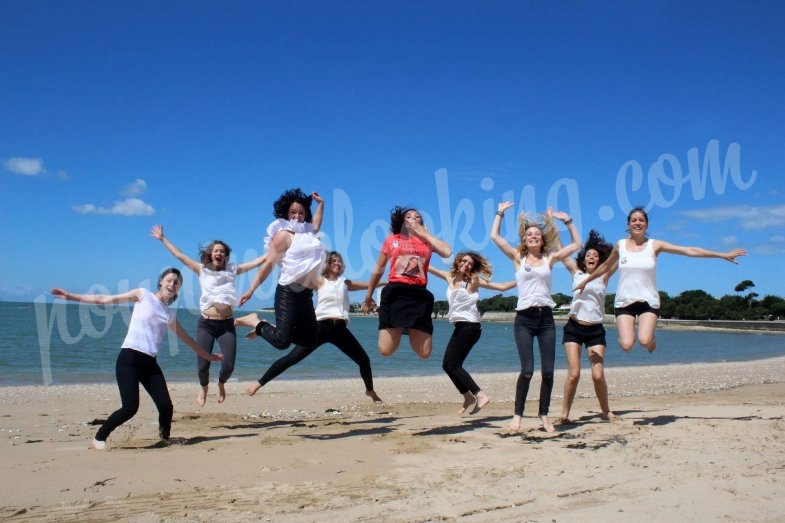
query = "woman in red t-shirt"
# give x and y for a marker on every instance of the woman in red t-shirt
(405, 302)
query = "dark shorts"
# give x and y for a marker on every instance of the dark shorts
(407, 306)
(635, 309)
(589, 335)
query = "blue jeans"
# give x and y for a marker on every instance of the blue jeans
(535, 322)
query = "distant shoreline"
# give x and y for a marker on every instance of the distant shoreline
(770, 327)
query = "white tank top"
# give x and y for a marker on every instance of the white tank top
(637, 276)
(218, 286)
(148, 324)
(588, 306)
(463, 305)
(534, 285)
(332, 300)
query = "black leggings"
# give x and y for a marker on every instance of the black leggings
(132, 369)
(328, 331)
(295, 319)
(207, 331)
(464, 336)
(535, 322)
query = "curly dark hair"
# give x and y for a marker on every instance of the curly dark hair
(597, 242)
(282, 204)
(206, 253)
(398, 217)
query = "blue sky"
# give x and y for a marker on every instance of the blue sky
(115, 116)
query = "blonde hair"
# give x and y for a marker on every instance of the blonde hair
(482, 266)
(550, 233)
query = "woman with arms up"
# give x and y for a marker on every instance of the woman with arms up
(291, 242)
(637, 295)
(533, 261)
(584, 326)
(470, 271)
(332, 316)
(405, 303)
(217, 280)
(136, 363)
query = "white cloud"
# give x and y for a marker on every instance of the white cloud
(25, 166)
(137, 188)
(729, 240)
(749, 218)
(127, 207)
(63, 175)
(778, 238)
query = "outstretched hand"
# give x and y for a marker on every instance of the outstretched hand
(59, 293)
(735, 253)
(157, 232)
(216, 357)
(244, 299)
(315, 196)
(368, 305)
(504, 206)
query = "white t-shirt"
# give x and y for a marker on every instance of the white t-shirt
(148, 324)
(637, 276)
(332, 300)
(218, 286)
(588, 306)
(463, 305)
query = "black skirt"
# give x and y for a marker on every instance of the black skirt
(407, 306)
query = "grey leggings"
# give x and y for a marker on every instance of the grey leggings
(535, 322)
(207, 332)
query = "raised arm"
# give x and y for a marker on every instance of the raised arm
(439, 247)
(318, 215)
(439, 273)
(698, 252)
(497, 238)
(158, 233)
(247, 266)
(98, 299)
(497, 286)
(570, 249)
(188, 340)
(275, 251)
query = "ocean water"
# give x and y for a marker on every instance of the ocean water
(74, 343)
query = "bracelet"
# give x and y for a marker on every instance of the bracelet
(500, 213)
(568, 221)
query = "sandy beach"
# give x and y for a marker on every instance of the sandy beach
(691, 443)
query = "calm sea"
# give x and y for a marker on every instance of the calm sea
(73, 343)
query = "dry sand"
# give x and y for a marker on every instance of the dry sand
(692, 443)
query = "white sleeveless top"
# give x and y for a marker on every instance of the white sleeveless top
(304, 259)
(534, 285)
(588, 306)
(637, 276)
(332, 302)
(148, 324)
(218, 286)
(463, 305)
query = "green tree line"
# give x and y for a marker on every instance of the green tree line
(689, 305)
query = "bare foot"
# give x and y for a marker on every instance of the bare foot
(252, 388)
(608, 416)
(482, 400)
(221, 392)
(546, 424)
(249, 320)
(652, 347)
(375, 397)
(202, 397)
(468, 401)
(515, 424)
